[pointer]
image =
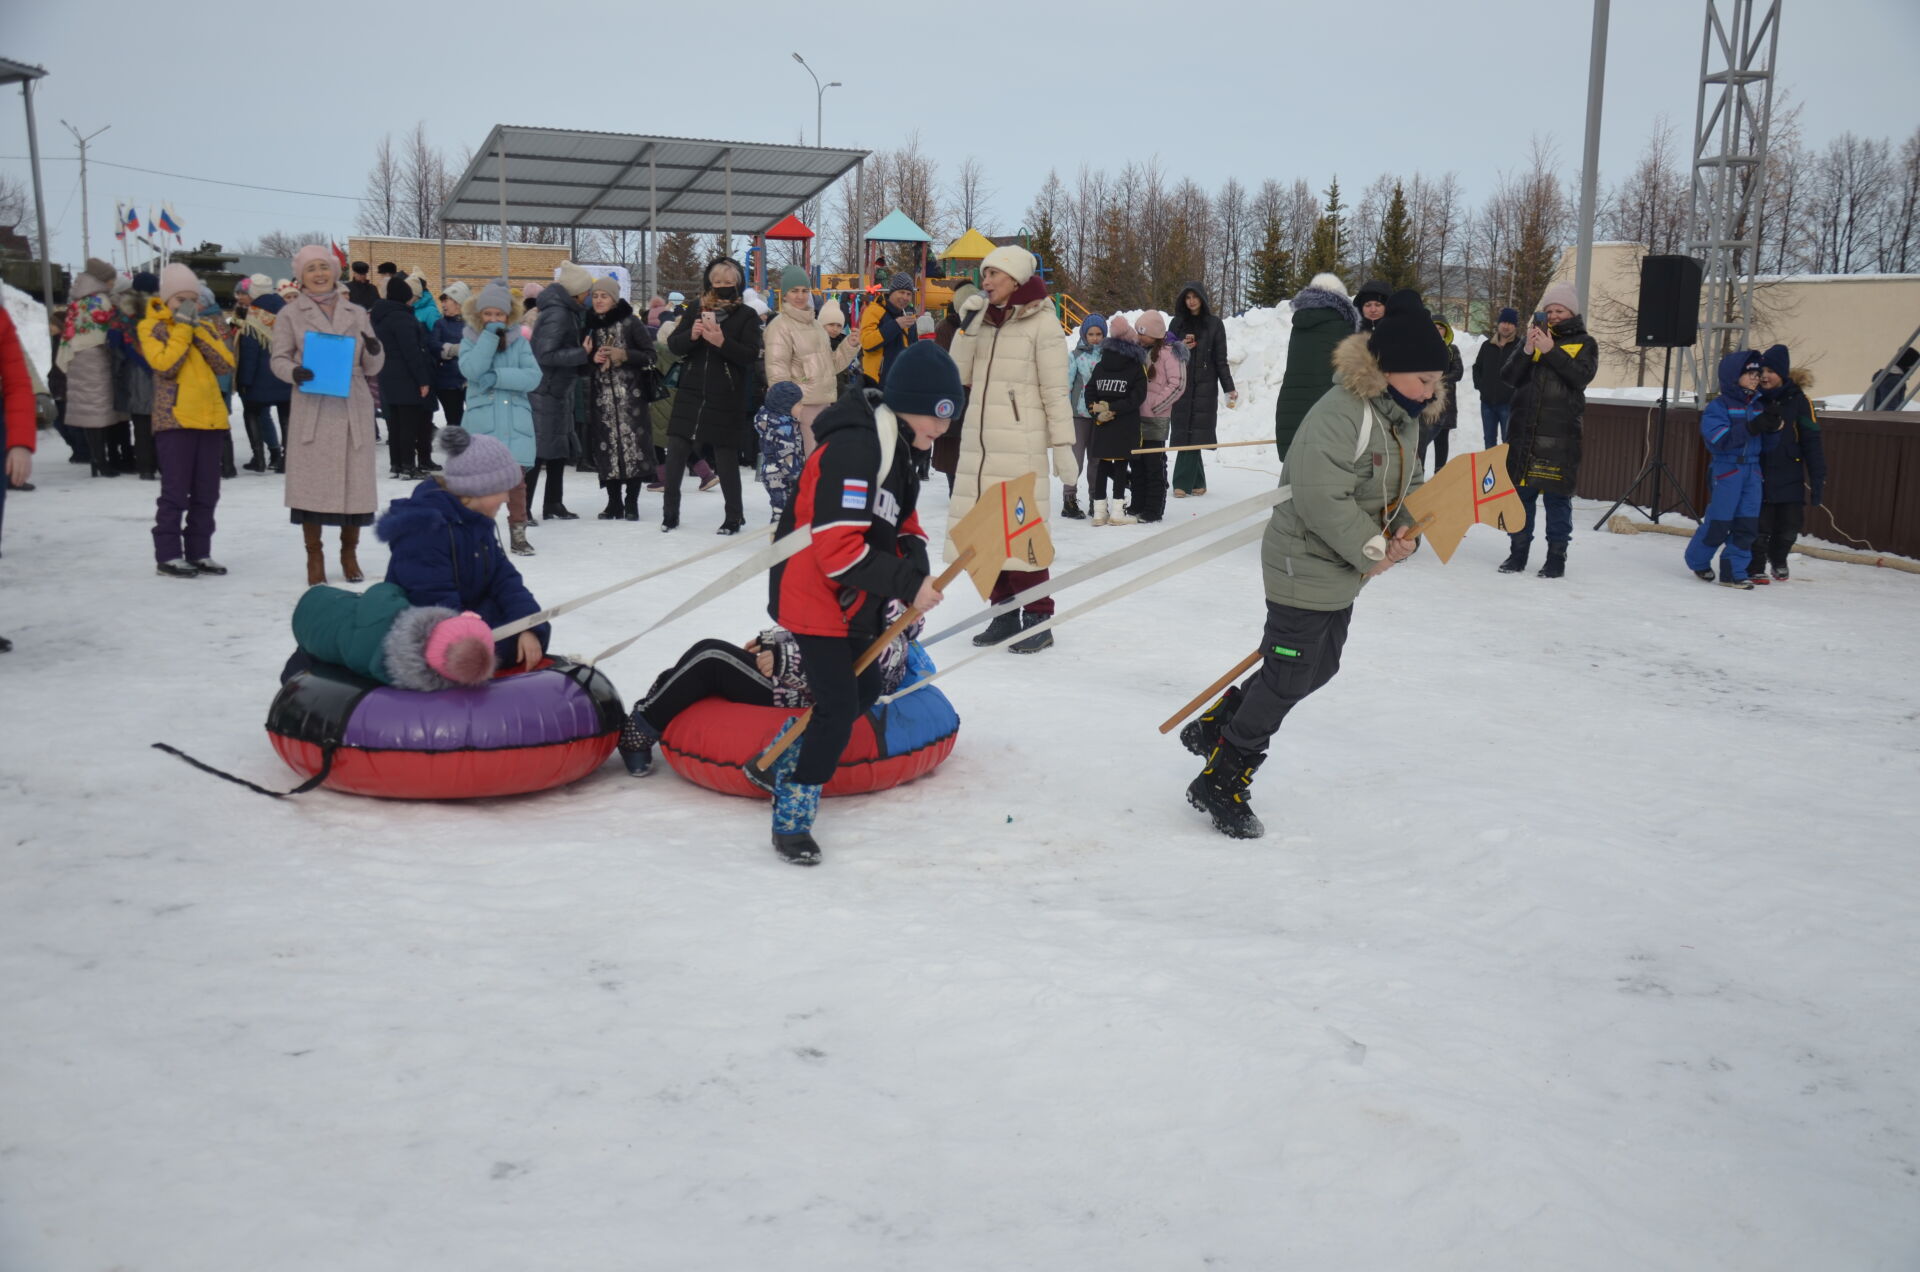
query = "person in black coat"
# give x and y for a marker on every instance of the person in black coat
(1496, 395)
(1793, 464)
(1372, 300)
(1196, 415)
(1550, 372)
(718, 343)
(1115, 391)
(560, 349)
(406, 383)
(1439, 434)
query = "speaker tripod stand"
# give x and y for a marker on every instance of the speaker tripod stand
(1656, 466)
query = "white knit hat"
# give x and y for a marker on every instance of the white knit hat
(577, 281)
(1016, 263)
(831, 315)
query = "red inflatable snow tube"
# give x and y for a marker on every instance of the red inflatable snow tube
(712, 740)
(511, 736)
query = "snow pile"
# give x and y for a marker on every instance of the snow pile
(30, 320)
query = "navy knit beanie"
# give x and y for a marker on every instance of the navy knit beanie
(147, 281)
(924, 381)
(1509, 314)
(1777, 360)
(1404, 339)
(783, 396)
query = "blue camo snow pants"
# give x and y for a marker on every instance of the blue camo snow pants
(1733, 518)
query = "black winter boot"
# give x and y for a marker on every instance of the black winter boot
(1038, 641)
(1556, 563)
(1516, 559)
(1070, 505)
(1202, 735)
(612, 512)
(1003, 628)
(1221, 792)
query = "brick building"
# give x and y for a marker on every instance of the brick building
(468, 262)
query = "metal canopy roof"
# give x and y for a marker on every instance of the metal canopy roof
(12, 72)
(570, 178)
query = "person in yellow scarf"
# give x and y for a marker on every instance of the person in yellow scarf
(189, 423)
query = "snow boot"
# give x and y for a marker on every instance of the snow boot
(1516, 560)
(1117, 514)
(1003, 628)
(1099, 507)
(1039, 640)
(1780, 574)
(349, 555)
(1202, 735)
(1705, 576)
(636, 744)
(1070, 505)
(517, 538)
(612, 512)
(316, 555)
(1221, 792)
(276, 460)
(178, 568)
(207, 565)
(794, 808)
(1556, 563)
(630, 507)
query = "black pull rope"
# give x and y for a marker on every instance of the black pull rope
(326, 767)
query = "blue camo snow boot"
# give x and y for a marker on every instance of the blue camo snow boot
(636, 744)
(794, 808)
(769, 778)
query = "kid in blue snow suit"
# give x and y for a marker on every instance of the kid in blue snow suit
(1732, 426)
(781, 449)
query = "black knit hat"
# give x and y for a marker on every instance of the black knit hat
(1404, 339)
(924, 381)
(1372, 289)
(399, 290)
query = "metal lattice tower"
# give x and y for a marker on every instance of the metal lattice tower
(1729, 158)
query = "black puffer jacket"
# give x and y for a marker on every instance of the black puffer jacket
(714, 404)
(1196, 413)
(557, 348)
(1549, 400)
(408, 368)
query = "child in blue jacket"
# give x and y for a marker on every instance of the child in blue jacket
(781, 450)
(446, 550)
(1732, 426)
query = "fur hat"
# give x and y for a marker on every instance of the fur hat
(461, 648)
(399, 290)
(477, 464)
(576, 280)
(1153, 327)
(611, 286)
(147, 281)
(176, 279)
(1372, 289)
(1562, 294)
(831, 315)
(494, 296)
(99, 269)
(923, 380)
(1016, 263)
(1405, 339)
(1329, 283)
(794, 276)
(307, 255)
(1509, 314)
(1777, 360)
(783, 397)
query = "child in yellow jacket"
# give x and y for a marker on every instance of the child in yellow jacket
(189, 423)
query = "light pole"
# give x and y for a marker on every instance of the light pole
(86, 240)
(819, 95)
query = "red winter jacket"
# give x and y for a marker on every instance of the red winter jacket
(867, 545)
(16, 383)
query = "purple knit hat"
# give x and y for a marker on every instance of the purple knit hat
(477, 464)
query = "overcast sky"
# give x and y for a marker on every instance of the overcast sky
(297, 96)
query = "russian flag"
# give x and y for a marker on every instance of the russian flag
(133, 220)
(166, 221)
(120, 221)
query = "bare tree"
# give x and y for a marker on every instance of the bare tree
(381, 203)
(1902, 240)
(1236, 231)
(423, 182)
(971, 193)
(16, 210)
(281, 243)
(1850, 174)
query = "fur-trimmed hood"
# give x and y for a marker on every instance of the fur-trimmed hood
(1802, 377)
(593, 319)
(1356, 370)
(1322, 298)
(470, 314)
(1124, 347)
(404, 649)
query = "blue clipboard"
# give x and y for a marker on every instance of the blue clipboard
(330, 358)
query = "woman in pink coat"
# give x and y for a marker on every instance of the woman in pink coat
(1166, 381)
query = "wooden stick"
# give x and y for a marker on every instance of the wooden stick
(1206, 695)
(873, 651)
(1162, 450)
(1622, 524)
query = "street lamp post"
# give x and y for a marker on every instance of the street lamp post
(819, 95)
(86, 241)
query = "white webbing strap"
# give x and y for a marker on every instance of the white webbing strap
(531, 621)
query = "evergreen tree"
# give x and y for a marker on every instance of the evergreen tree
(1114, 275)
(1328, 254)
(1043, 242)
(679, 263)
(1272, 275)
(1393, 255)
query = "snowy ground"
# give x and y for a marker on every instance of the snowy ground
(1582, 938)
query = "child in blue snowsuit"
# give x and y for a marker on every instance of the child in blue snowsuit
(781, 450)
(1731, 426)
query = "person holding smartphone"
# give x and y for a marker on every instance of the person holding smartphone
(1549, 373)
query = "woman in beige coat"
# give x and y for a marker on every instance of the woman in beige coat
(1013, 360)
(329, 440)
(798, 350)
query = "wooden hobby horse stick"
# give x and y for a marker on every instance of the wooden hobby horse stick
(1217, 687)
(873, 651)
(1163, 450)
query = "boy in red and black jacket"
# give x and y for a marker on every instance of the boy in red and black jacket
(859, 495)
